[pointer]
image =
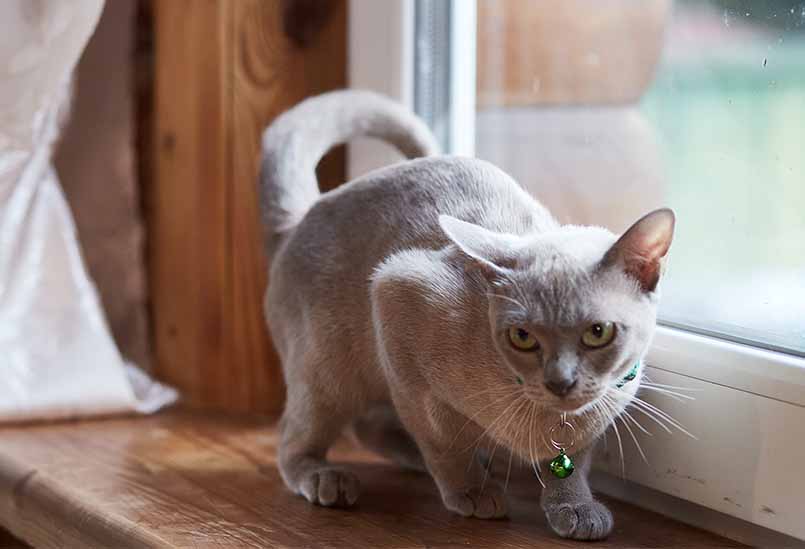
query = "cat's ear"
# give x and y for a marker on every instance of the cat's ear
(490, 250)
(640, 249)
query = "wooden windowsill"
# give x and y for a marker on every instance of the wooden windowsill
(184, 479)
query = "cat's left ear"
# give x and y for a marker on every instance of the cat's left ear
(492, 251)
(640, 249)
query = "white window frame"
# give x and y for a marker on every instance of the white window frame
(381, 58)
(749, 471)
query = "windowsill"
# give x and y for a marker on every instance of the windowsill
(746, 421)
(765, 373)
(184, 479)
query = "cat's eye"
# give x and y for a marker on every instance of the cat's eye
(598, 335)
(523, 340)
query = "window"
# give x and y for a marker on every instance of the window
(728, 105)
(696, 105)
(606, 113)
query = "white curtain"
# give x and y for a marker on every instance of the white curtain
(57, 358)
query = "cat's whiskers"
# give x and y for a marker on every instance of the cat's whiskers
(599, 419)
(680, 391)
(515, 443)
(503, 434)
(508, 472)
(657, 415)
(603, 412)
(474, 416)
(637, 424)
(631, 433)
(491, 427)
(679, 397)
(647, 381)
(625, 420)
(630, 400)
(666, 416)
(523, 451)
(608, 403)
(615, 398)
(651, 416)
(534, 462)
(544, 440)
(602, 416)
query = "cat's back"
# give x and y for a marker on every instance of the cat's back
(350, 230)
(319, 284)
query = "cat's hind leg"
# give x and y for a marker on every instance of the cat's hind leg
(309, 426)
(381, 431)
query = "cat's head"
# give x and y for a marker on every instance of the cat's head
(572, 310)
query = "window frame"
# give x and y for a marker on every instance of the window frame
(758, 376)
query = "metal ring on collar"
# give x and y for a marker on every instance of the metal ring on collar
(564, 425)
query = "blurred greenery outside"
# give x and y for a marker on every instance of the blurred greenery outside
(730, 124)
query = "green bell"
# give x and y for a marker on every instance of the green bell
(562, 466)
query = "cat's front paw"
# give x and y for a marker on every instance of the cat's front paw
(590, 520)
(489, 503)
(330, 487)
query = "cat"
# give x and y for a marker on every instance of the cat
(434, 305)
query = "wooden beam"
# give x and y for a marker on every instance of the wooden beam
(224, 70)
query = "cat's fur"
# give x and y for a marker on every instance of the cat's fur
(389, 302)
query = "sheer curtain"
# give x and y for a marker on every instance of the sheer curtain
(57, 358)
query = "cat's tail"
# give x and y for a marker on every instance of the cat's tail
(295, 142)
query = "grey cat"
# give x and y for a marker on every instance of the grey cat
(435, 307)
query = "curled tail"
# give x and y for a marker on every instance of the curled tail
(295, 142)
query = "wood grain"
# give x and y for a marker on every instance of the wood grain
(193, 480)
(224, 70)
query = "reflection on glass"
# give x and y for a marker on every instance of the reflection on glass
(696, 105)
(728, 106)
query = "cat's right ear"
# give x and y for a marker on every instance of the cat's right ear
(640, 250)
(490, 250)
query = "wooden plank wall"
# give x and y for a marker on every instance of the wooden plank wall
(223, 70)
(525, 57)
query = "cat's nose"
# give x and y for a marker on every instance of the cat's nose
(561, 386)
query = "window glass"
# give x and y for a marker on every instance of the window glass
(605, 114)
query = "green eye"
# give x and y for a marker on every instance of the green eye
(598, 335)
(522, 339)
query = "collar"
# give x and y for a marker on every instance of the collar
(630, 375)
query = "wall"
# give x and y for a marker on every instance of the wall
(223, 71)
